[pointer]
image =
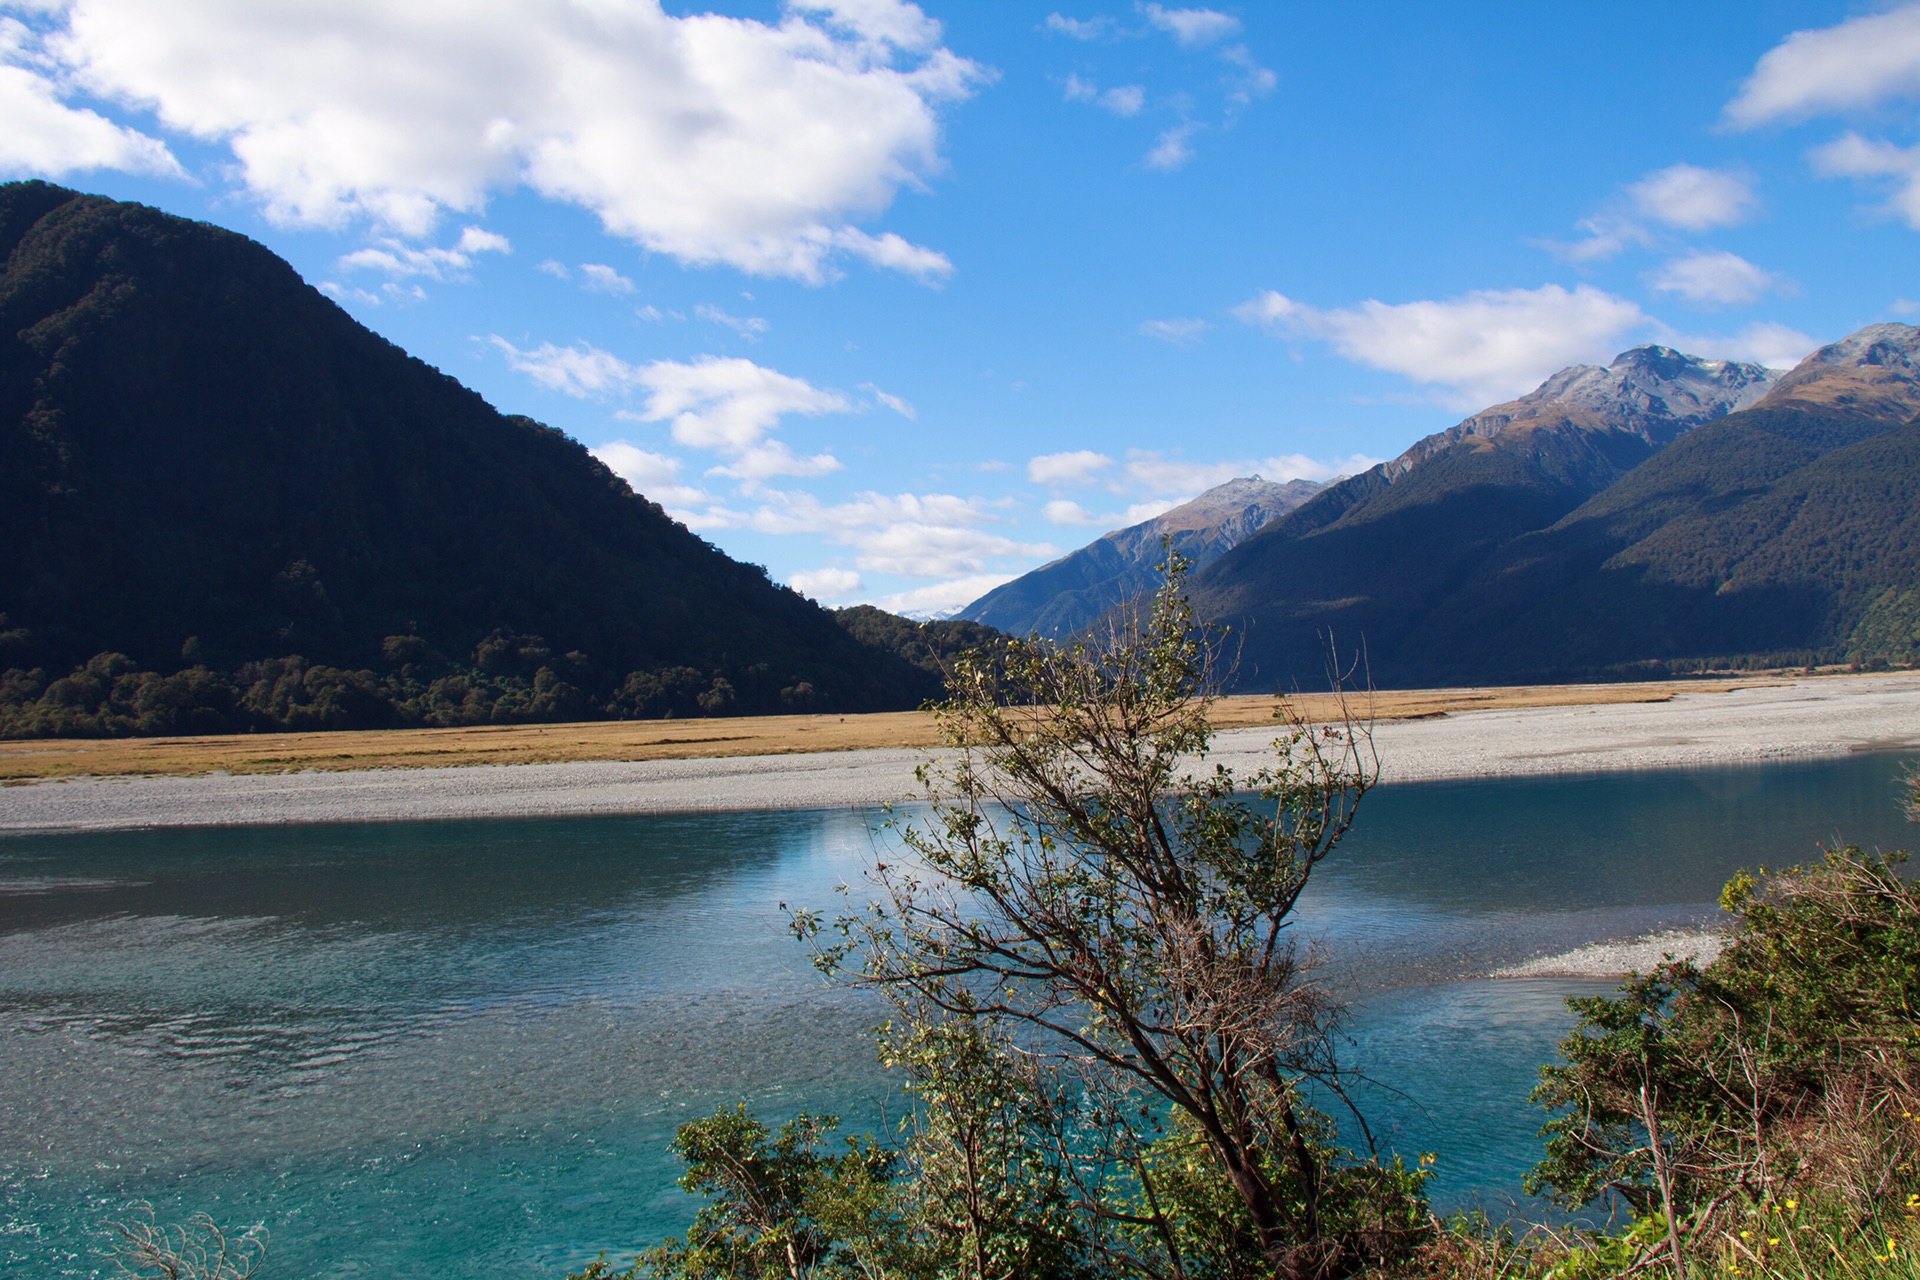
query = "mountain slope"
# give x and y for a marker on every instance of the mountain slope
(1786, 531)
(1371, 557)
(206, 463)
(1064, 596)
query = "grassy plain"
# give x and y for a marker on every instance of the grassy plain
(26, 761)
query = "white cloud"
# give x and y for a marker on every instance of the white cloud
(1140, 511)
(1853, 156)
(729, 405)
(1171, 149)
(1192, 28)
(895, 254)
(400, 260)
(480, 240)
(558, 270)
(748, 327)
(1486, 346)
(598, 277)
(1712, 276)
(1126, 100)
(892, 402)
(1692, 198)
(582, 371)
(1681, 195)
(724, 404)
(1607, 233)
(708, 138)
(825, 584)
(914, 535)
(1904, 307)
(1062, 511)
(1773, 345)
(1078, 466)
(45, 137)
(1253, 80)
(1078, 28)
(943, 599)
(652, 475)
(1833, 69)
(1178, 332)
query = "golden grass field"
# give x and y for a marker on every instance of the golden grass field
(26, 761)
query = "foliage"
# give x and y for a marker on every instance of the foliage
(208, 468)
(508, 679)
(1786, 1070)
(931, 646)
(1109, 925)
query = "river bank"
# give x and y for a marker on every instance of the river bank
(1731, 723)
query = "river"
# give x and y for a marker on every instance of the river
(459, 1048)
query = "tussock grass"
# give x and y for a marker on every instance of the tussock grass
(625, 740)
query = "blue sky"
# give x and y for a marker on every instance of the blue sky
(901, 301)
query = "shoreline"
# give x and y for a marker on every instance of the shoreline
(1739, 724)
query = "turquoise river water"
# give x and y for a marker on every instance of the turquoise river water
(459, 1048)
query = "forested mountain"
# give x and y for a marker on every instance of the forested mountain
(231, 506)
(1064, 596)
(1586, 545)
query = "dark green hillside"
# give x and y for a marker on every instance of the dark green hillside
(1380, 566)
(206, 466)
(1767, 536)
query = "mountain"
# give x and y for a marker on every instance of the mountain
(1488, 552)
(225, 504)
(1789, 532)
(1066, 595)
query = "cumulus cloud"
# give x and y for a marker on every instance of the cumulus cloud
(729, 405)
(1712, 276)
(1682, 196)
(1079, 466)
(1124, 100)
(1849, 67)
(825, 584)
(652, 475)
(1852, 156)
(1841, 68)
(1774, 345)
(1172, 149)
(1191, 28)
(582, 370)
(723, 404)
(708, 138)
(45, 137)
(1694, 199)
(1063, 511)
(748, 327)
(1482, 347)
(937, 535)
(399, 260)
(1178, 332)
(598, 277)
(1078, 28)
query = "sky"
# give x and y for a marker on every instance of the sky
(901, 302)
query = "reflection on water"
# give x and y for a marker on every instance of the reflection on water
(421, 1049)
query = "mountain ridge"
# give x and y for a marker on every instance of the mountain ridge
(226, 504)
(1066, 594)
(1472, 566)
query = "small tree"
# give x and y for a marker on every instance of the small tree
(1113, 919)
